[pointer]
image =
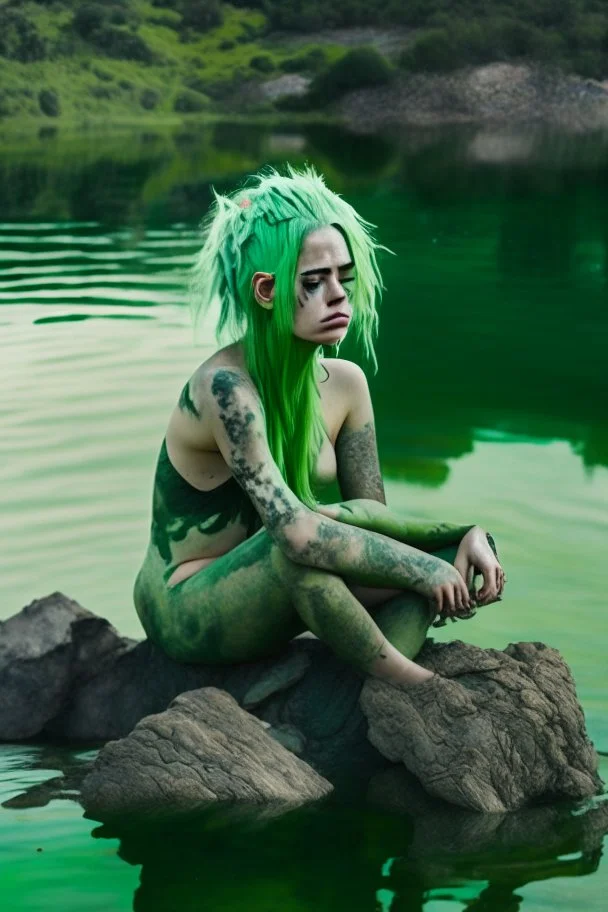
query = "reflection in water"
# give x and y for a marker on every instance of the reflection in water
(336, 857)
(495, 311)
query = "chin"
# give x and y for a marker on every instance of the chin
(332, 338)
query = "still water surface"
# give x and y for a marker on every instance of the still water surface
(491, 403)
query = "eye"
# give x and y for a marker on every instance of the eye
(348, 279)
(310, 286)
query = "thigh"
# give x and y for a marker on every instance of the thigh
(237, 608)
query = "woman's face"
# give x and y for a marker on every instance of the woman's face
(324, 279)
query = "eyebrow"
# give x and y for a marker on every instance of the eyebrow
(325, 270)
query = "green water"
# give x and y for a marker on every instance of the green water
(491, 404)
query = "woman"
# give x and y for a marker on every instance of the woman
(242, 556)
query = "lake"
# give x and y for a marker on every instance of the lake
(491, 403)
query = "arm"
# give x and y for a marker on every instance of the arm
(303, 535)
(361, 480)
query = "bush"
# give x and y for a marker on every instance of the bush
(103, 75)
(196, 84)
(201, 15)
(312, 62)
(19, 38)
(122, 45)
(360, 68)
(227, 44)
(125, 84)
(149, 98)
(88, 18)
(262, 63)
(102, 91)
(432, 50)
(48, 101)
(189, 102)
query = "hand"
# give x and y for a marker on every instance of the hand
(446, 590)
(475, 555)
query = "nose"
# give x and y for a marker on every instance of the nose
(336, 291)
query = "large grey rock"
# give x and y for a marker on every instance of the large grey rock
(52, 645)
(203, 748)
(492, 731)
(502, 729)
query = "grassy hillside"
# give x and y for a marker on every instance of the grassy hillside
(125, 60)
(150, 64)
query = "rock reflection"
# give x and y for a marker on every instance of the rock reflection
(354, 858)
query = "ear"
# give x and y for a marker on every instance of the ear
(263, 288)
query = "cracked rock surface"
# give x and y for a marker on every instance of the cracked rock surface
(492, 731)
(203, 748)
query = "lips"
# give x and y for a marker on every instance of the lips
(340, 318)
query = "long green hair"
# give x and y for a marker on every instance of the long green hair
(260, 228)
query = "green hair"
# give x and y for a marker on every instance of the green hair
(260, 228)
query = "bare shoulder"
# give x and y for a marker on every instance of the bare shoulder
(225, 367)
(346, 377)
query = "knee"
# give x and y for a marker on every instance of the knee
(298, 576)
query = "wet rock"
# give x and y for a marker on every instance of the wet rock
(50, 647)
(203, 748)
(497, 730)
(492, 731)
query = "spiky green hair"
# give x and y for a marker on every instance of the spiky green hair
(260, 228)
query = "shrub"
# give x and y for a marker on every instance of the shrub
(196, 84)
(262, 63)
(201, 15)
(88, 18)
(102, 74)
(149, 98)
(125, 84)
(48, 101)
(312, 61)
(102, 91)
(359, 68)
(189, 102)
(19, 38)
(432, 50)
(122, 45)
(227, 44)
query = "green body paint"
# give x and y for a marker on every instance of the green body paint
(178, 507)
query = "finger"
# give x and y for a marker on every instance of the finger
(439, 601)
(466, 598)
(450, 601)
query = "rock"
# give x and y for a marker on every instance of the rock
(498, 730)
(202, 749)
(281, 675)
(495, 93)
(45, 650)
(288, 85)
(493, 731)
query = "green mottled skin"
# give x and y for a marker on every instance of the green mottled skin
(249, 602)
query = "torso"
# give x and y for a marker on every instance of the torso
(199, 510)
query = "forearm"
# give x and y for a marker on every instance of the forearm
(365, 557)
(425, 535)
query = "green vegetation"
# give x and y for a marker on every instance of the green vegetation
(121, 59)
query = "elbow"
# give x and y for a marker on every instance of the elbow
(296, 538)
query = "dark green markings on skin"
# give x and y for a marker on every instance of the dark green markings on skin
(178, 507)
(358, 466)
(337, 618)
(186, 404)
(241, 424)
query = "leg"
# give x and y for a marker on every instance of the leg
(250, 602)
